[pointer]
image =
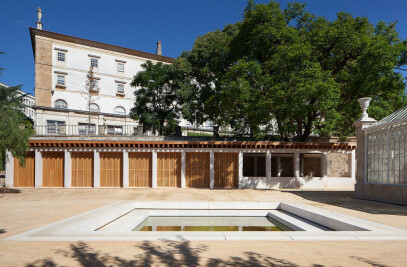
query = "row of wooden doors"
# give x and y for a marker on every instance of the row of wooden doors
(140, 169)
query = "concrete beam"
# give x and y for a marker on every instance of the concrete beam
(183, 159)
(9, 169)
(268, 165)
(154, 170)
(241, 170)
(38, 169)
(352, 164)
(125, 169)
(96, 169)
(67, 169)
(212, 169)
(297, 164)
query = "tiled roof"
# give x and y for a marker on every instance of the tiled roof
(100, 45)
(399, 114)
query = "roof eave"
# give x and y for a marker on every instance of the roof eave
(87, 42)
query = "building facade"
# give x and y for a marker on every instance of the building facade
(63, 162)
(62, 64)
(28, 102)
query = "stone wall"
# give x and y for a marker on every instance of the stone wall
(338, 165)
(43, 72)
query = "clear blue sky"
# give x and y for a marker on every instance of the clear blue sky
(140, 24)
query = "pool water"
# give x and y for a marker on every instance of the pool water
(212, 223)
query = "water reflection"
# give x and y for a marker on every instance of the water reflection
(218, 223)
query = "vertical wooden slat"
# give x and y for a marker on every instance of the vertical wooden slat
(111, 169)
(24, 175)
(226, 170)
(168, 169)
(140, 169)
(197, 169)
(82, 169)
(53, 169)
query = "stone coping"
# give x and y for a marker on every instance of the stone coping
(115, 222)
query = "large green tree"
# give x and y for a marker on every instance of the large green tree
(156, 105)
(15, 129)
(300, 71)
(200, 72)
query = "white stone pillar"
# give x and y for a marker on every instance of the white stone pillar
(212, 170)
(67, 169)
(268, 165)
(278, 166)
(154, 170)
(125, 169)
(297, 164)
(9, 169)
(324, 165)
(352, 164)
(241, 169)
(361, 164)
(183, 159)
(96, 169)
(38, 169)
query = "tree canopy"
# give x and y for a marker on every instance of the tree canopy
(15, 129)
(156, 106)
(288, 70)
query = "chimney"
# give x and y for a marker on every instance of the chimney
(39, 23)
(159, 51)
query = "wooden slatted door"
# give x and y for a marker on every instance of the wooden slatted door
(24, 175)
(82, 169)
(197, 169)
(226, 170)
(111, 169)
(140, 169)
(168, 169)
(52, 169)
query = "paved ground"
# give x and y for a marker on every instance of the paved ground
(32, 208)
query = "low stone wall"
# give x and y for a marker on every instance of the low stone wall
(305, 183)
(384, 192)
(338, 165)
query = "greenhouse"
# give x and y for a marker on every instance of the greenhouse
(384, 165)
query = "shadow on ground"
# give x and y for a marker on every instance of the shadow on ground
(2, 231)
(345, 199)
(169, 254)
(5, 190)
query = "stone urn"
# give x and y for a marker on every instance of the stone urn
(364, 104)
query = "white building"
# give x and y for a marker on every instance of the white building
(61, 66)
(28, 101)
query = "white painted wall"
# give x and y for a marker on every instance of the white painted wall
(77, 64)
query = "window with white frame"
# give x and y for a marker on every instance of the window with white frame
(94, 62)
(60, 104)
(120, 111)
(87, 129)
(53, 127)
(60, 79)
(120, 88)
(115, 130)
(94, 108)
(120, 67)
(61, 56)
